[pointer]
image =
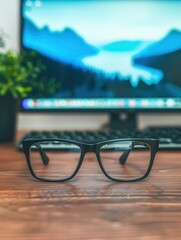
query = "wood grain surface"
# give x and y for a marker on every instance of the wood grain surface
(90, 206)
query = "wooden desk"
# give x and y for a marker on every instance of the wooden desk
(89, 207)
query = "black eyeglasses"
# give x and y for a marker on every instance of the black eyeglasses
(59, 160)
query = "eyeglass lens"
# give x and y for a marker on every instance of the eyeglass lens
(54, 160)
(125, 160)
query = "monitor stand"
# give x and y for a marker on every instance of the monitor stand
(122, 120)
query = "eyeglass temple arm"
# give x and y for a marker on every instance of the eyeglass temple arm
(124, 156)
(43, 155)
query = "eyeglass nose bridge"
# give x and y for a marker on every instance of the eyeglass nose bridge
(90, 148)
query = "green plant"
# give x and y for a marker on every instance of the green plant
(24, 74)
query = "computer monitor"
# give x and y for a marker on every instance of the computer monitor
(104, 56)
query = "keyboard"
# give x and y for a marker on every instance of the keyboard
(169, 137)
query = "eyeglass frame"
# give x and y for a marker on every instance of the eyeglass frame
(95, 148)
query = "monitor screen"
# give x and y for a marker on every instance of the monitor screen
(104, 55)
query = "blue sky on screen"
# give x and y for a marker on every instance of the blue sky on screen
(101, 22)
